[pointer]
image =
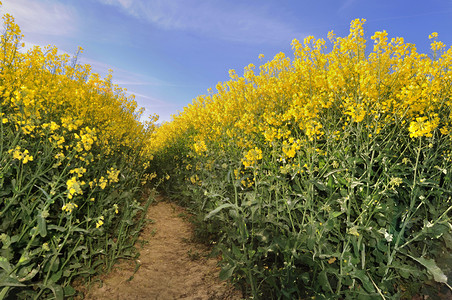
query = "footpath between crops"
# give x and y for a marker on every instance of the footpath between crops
(171, 265)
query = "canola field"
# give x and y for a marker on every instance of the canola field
(325, 174)
(73, 154)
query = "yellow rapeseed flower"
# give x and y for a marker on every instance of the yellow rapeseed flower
(100, 222)
(102, 182)
(68, 207)
(252, 157)
(79, 171)
(21, 155)
(73, 187)
(423, 127)
(113, 175)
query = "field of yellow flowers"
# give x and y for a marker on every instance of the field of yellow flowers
(324, 175)
(72, 157)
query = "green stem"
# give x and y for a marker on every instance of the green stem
(409, 214)
(58, 251)
(421, 232)
(4, 292)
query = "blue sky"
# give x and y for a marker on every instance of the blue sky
(167, 52)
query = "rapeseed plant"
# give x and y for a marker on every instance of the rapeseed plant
(67, 137)
(336, 162)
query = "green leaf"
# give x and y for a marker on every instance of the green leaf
(332, 172)
(42, 225)
(56, 276)
(5, 265)
(75, 265)
(44, 192)
(448, 240)
(69, 291)
(324, 282)
(320, 185)
(336, 214)
(433, 269)
(310, 243)
(367, 284)
(55, 263)
(10, 281)
(78, 229)
(6, 240)
(30, 275)
(437, 230)
(57, 291)
(59, 228)
(226, 272)
(405, 270)
(216, 210)
(236, 251)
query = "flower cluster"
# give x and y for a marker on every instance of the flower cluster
(316, 148)
(67, 136)
(23, 156)
(290, 101)
(252, 157)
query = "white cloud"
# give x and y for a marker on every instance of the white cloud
(122, 77)
(42, 16)
(234, 22)
(346, 5)
(132, 82)
(150, 101)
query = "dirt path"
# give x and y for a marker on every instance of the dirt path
(171, 266)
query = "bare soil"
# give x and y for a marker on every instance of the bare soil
(171, 265)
